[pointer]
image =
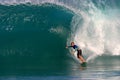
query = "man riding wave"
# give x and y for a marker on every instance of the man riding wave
(79, 51)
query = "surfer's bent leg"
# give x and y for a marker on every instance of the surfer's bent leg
(79, 55)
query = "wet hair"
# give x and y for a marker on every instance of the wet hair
(72, 42)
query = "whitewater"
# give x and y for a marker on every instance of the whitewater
(34, 33)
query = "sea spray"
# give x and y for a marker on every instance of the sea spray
(99, 33)
(94, 27)
(33, 34)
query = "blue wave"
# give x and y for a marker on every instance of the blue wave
(33, 35)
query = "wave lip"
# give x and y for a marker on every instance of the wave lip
(90, 25)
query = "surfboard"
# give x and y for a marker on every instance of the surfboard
(84, 64)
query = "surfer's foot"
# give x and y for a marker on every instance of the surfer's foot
(84, 62)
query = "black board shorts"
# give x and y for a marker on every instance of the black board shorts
(79, 53)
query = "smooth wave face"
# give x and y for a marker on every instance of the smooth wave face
(33, 37)
(34, 34)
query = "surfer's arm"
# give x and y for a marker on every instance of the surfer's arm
(68, 46)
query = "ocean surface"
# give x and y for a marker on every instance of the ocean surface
(34, 34)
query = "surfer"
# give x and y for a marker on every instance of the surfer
(79, 51)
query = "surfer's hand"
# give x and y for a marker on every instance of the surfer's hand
(66, 46)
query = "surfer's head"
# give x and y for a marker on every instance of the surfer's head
(72, 44)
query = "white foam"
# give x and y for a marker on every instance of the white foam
(99, 32)
(58, 30)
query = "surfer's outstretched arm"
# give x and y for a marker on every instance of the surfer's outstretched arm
(68, 46)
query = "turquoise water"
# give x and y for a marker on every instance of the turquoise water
(29, 39)
(33, 37)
